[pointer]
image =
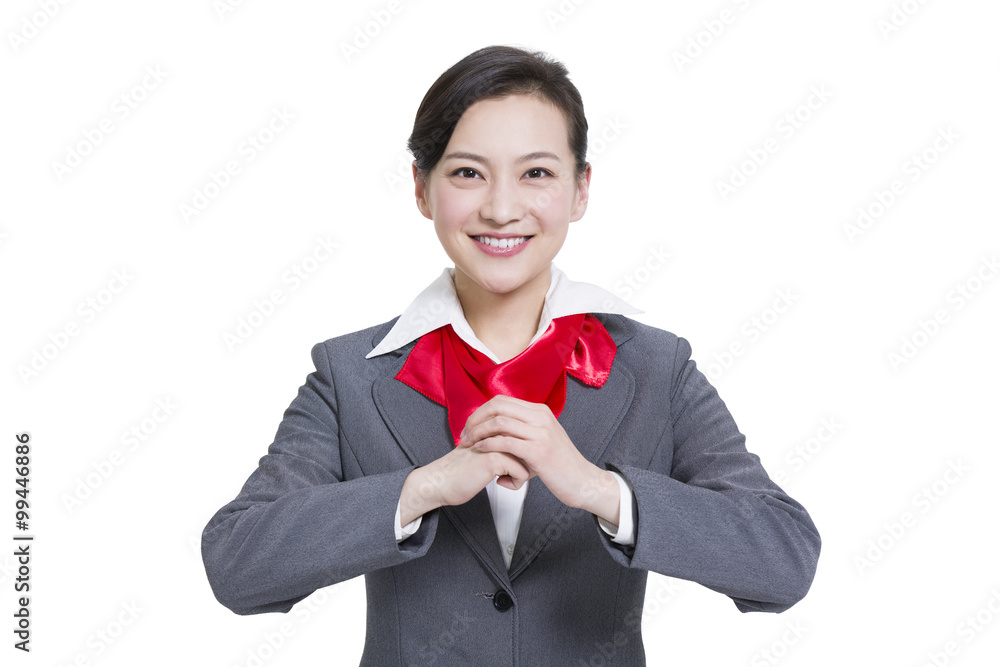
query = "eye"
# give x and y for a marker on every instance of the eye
(537, 172)
(465, 172)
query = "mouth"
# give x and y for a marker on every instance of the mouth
(501, 243)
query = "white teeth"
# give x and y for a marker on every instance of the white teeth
(501, 243)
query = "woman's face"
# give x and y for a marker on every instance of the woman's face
(507, 173)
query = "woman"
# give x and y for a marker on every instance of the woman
(505, 471)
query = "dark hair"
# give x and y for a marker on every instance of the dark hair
(492, 72)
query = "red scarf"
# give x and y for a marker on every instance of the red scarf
(445, 369)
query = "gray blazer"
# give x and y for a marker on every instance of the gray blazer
(320, 509)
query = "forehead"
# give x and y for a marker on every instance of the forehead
(511, 123)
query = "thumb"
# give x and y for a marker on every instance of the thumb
(515, 474)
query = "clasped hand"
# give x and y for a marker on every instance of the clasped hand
(512, 440)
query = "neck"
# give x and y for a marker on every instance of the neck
(505, 322)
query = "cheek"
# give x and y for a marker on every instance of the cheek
(552, 204)
(453, 208)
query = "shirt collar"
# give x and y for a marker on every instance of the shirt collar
(438, 305)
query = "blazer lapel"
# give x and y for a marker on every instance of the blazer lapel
(420, 426)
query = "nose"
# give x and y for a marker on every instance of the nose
(503, 203)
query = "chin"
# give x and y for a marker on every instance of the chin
(500, 285)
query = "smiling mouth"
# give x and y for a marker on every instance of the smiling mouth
(501, 243)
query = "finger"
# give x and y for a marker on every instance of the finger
(502, 411)
(512, 473)
(513, 483)
(487, 410)
(507, 482)
(524, 449)
(500, 425)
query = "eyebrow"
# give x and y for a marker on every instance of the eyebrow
(537, 155)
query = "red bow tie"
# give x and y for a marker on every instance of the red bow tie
(445, 369)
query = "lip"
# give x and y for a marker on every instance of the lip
(502, 236)
(501, 252)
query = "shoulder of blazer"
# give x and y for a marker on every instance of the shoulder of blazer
(354, 341)
(643, 336)
(344, 355)
(650, 351)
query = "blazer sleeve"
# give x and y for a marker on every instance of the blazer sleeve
(716, 517)
(297, 525)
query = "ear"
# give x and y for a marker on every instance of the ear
(581, 196)
(420, 191)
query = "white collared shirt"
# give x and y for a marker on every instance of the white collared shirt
(437, 306)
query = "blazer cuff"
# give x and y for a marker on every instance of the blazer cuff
(624, 532)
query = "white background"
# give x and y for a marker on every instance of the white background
(664, 134)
